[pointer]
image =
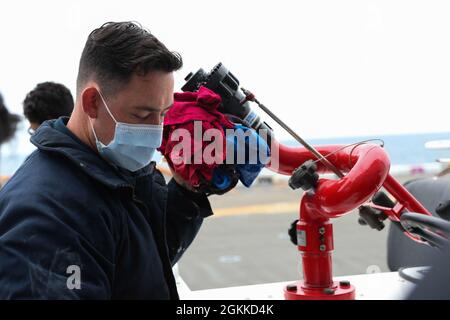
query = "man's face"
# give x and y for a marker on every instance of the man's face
(144, 100)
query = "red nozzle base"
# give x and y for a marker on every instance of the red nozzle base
(338, 291)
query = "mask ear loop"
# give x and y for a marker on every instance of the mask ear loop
(107, 109)
(93, 130)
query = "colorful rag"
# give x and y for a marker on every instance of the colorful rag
(217, 175)
(188, 108)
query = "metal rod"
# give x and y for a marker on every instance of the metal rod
(313, 150)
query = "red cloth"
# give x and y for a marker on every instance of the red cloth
(187, 108)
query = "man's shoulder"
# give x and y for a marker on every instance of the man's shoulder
(49, 186)
(45, 166)
(48, 174)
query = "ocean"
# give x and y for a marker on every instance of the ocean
(406, 151)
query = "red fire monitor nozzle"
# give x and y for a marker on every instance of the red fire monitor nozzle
(367, 170)
(362, 171)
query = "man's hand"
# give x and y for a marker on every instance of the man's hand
(181, 181)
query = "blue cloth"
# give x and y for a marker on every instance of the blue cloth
(247, 160)
(66, 206)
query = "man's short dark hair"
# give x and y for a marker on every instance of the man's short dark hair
(8, 123)
(117, 50)
(47, 101)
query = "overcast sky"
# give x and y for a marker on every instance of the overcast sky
(328, 68)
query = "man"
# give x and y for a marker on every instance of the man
(49, 100)
(87, 216)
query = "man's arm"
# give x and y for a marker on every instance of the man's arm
(49, 251)
(185, 213)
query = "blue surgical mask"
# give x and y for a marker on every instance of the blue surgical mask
(133, 145)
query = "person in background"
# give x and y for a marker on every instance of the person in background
(8, 123)
(49, 100)
(8, 126)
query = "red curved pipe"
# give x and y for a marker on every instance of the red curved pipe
(334, 198)
(365, 172)
(367, 166)
(285, 159)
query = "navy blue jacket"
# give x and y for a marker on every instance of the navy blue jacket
(67, 207)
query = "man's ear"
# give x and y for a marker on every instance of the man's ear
(90, 101)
